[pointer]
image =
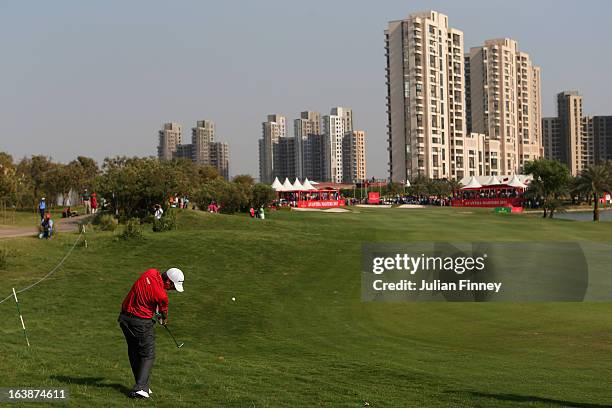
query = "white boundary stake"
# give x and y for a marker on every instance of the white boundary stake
(25, 333)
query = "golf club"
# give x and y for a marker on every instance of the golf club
(175, 342)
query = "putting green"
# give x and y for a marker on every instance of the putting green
(297, 333)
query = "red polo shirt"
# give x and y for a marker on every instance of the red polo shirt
(147, 296)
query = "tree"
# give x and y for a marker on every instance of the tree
(262, 195)
(244, 179)
(453, 185)
(134, 185)
(595, 180)
(206, 174)
(83, 172)
(35, 170)
(59, 181)
(231, 197)
(418, 186)
(8, 180)
(394, 188)
(550, 182)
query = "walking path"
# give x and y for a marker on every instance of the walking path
(63, 225)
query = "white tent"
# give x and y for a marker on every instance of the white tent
(493, 181)
(314, 183)
(297, 185)
(473, 183)
(515, 182)
(287, 185)
(407, 183)
(276, 185)
(307, 185)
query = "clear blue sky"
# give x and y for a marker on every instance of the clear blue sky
(99, 78)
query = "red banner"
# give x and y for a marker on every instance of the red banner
(373, 197)
(487, 202)
(320, 204)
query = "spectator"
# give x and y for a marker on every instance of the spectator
(42, 207)
(94, 203)
(86, 201)
(159, 212)
(46, 226)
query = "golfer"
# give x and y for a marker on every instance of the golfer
(146, 298)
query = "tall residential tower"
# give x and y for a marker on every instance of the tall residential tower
(425, 97)
(504, 101)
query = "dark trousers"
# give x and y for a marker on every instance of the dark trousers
(42, 213)
(140, 337)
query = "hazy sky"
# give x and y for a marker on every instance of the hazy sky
(99, 78)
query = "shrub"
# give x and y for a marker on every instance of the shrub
(107, 223)
(149, 219)
(165, 223)
(262, 195)
(231, 197)
(132, 230)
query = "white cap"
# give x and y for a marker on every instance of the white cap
(177, 277)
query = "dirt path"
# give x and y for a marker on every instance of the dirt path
(63, 225)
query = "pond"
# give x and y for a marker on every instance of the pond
(584, 215)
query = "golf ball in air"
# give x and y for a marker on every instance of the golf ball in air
(233, 299)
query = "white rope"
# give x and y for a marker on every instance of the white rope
(51, 272)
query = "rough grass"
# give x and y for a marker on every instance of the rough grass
(298, 334)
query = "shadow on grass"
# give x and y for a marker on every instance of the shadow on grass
(529, 399)
(92, 382)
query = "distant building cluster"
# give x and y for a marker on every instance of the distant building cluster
(202, 150)
(452, 115)
(576, 140)
(325, 149)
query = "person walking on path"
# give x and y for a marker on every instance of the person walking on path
(94, 203)
(146, 298)
(42, 207)
(86, 202)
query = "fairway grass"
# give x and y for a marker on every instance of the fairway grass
(298, 334)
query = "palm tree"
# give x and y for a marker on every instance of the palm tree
(594, 181)
(550, 181)
(453, 186)
(418, 186)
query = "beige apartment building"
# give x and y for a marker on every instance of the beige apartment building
(273, 129)
(170, 137)
(308, 125)
(483, 155)
(353, 160)
(425, 97)
(333, 133)
(203, 150)
(504, 101)
(574, 139)
(322, 149)
(202, 137)
(219, 158)
(564, 136)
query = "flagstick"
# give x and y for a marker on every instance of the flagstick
(25, 333)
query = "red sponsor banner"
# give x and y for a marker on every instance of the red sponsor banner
(373, 197)
(321, 204)
(487, 202)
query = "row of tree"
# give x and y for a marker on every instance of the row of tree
(23, 183)
(130, 186)
(553, 186)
